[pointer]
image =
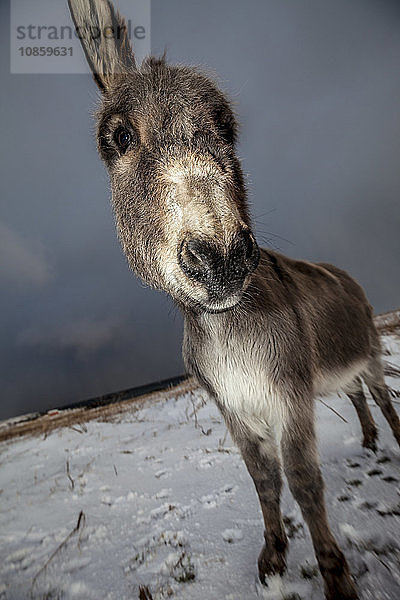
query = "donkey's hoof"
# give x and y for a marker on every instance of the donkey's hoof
(370, 443)
(335, 572)
(370, 439)
(348, 594)
(340, 586)
(270, 563)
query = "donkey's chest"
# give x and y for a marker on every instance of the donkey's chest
(240, 375)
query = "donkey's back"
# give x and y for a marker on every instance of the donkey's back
(335, 312)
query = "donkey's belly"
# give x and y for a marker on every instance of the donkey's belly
(338, 380)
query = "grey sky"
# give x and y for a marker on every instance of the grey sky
(317, 89)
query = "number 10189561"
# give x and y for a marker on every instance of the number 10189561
(46, 51)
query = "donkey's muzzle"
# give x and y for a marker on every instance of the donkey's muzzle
(221, 271)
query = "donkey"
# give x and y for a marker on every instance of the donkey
(264, 334)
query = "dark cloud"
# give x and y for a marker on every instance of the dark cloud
(22, 262)
(81, 337)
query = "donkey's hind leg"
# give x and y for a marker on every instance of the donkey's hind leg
(356, 394)
(374, 378)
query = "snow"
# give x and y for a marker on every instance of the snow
(159, 499)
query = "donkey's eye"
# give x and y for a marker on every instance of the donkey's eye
(123, 138)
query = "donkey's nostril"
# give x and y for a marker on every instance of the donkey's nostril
(251, 250)
(196, 259)
(195, 256)
(196, 253)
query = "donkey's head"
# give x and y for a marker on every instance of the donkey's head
(167, 135)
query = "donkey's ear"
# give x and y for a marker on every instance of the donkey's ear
(104, 37)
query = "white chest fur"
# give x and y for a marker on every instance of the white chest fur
(240, 371)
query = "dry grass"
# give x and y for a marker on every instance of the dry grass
(76, 418)
(389, 323)
(144, 593)
(80, 524)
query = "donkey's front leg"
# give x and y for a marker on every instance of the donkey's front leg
(304, 477)
(259, 451)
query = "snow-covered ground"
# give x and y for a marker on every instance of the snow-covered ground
(158, 504)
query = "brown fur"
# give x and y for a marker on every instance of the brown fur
(264, 334)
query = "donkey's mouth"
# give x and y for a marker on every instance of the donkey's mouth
(221, 306)
(218, 311)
